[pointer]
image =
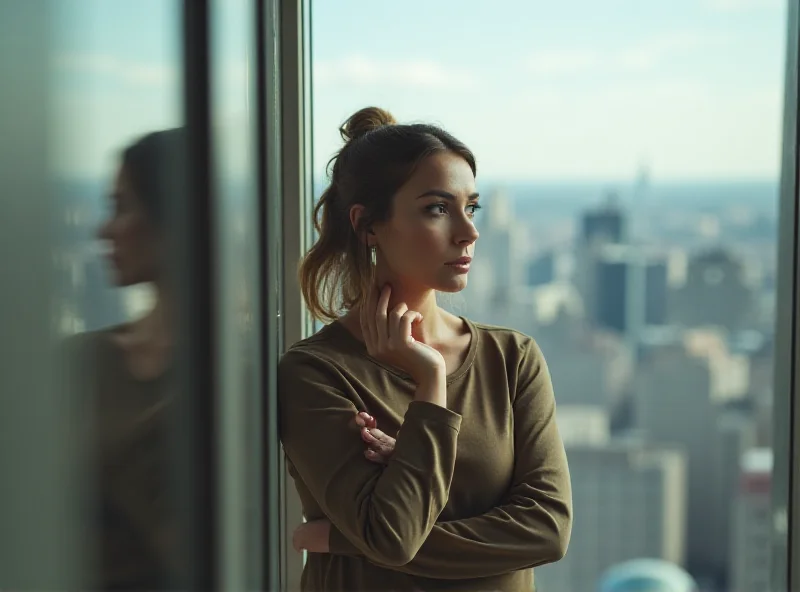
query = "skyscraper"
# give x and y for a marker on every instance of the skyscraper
(716, 292)
(599, 228)
(631, 504)
(681, 391)
(616, 266)
(606, 224)
(751, 538)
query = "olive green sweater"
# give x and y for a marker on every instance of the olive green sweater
(130, 528)
(475, 495)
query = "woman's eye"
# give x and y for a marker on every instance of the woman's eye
(441, 208)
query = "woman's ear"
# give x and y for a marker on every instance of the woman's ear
(365, 235)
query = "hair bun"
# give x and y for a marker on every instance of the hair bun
(364, 121)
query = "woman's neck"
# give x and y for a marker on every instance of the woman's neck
(432, 328)
(155, 329)
(148, 342)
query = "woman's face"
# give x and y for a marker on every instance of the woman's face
(430, 237)
(131, 236)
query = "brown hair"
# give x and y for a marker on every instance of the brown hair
(378, 157)
(155, 167)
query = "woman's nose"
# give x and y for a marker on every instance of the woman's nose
(468, 233)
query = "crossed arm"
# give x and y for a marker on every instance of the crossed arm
(531, 527)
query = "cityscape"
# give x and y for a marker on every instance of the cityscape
(654, 308)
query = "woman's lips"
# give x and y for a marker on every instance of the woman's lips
(460, 265)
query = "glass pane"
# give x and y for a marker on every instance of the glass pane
(119, 151)
(106, 176)
(629, 158)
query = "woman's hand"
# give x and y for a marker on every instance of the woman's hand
(380, 446)
(387, 335)
(312, 536)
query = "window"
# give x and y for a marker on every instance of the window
(139, 270)
(630, 157)
(638, 163)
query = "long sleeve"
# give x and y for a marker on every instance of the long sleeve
(385, 512)
(532, 526)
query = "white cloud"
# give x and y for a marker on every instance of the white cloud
(365, 71)
(636, 58)
(744, 5)
(111, 67)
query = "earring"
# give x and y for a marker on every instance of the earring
(373, 255)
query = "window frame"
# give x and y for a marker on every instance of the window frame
(786, 414)
(297, 198)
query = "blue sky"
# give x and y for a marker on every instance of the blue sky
(580, 89)
(588, 89)
(115, 66)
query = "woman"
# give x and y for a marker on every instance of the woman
(476, 491)
(124, 373)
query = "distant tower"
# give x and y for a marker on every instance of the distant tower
(604, 225)
(640, 202)
(716, 292)
(599, 228)
(500, 263)
(499, 214)
(636, 309)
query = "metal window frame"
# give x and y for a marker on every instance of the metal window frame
(297, 194)
(270, 154)
(786, 445)
(195, 437)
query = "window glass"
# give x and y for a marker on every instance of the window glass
(628, 162)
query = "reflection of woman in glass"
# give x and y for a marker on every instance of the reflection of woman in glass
(125, 370)
(134, 234)
(475, 491)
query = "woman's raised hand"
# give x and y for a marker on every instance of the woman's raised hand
(387, 335)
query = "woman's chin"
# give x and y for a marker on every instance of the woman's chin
(126, 279)
(453, 285)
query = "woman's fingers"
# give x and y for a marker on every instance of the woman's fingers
(408, 319)
(380, 445)
(378, 441)
(395, 322)
(381, 452)
(365, 420)
(382, 315)
(375, 457)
